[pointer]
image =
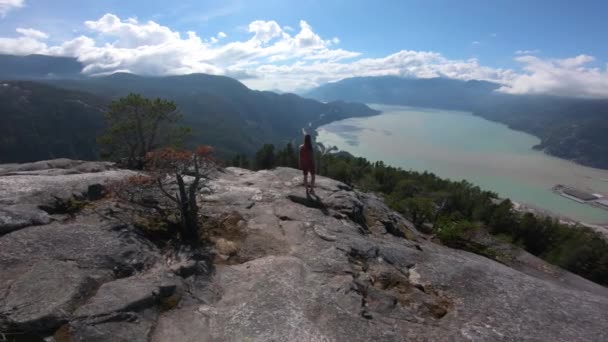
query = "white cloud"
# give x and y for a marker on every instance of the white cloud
(31, 33)
(130, 33)
(28, 42)
(273, 57)
(419, 64)
(149, 48)
(9, 5)
(264, 31)
(527, 52)
(562, 77)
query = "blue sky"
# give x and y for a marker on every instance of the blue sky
(552, 37)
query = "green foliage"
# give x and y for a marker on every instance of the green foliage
(502, 218)
(459, 210)
(418, 209)
(241, 160)
(265, 158)
(69, 206)
(455, 233)
(223, 112)
(574, 129)
(287, 157)
(338, 171)
(39, 122)
(137, 125)
(460, 234)
(154, 225)
(579, 250)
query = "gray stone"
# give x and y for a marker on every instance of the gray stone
(128, 294)
(49, 268)
(36, 184)
(338, 266)
(121, 327)
(88, 242)
(44, 297)
(354, 270)
(15, 217)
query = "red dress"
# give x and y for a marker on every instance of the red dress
(307, 162)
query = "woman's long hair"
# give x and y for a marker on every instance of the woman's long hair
(308, 142)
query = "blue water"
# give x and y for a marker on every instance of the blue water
(458, 145)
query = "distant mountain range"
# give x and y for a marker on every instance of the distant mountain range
(225, 113)
(38, 67)
(431, 92)
(570, 128)
(61, 116)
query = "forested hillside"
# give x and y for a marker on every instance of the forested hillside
(573, 129)
(38, 67)
(38, 121)
(222, 111)
(62, 116)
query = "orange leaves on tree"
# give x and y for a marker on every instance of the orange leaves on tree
(170, 159)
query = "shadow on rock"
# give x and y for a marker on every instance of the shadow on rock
(311, 201)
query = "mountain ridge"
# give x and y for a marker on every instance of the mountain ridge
(32, 67)
(221, 111)
(236, 119)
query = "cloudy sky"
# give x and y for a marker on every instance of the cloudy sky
(542, 46)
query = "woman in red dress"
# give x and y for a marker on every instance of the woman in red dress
(307, 163)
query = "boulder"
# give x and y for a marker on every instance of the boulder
(42, 183)
(90, 243)
(129, 294)
(45, 297)
(51, 264)
(125, 327)
(14, 217)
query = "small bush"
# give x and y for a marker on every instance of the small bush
(68, 206)
(460, 235)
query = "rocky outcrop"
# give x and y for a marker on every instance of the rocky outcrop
(340, 266)
(52, 263)
(335, 266)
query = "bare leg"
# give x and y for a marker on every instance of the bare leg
(306, 181)
(312, 182)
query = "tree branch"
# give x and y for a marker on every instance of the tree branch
(162, 189)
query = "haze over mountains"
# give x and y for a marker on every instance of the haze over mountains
(39, 67)
(570, 128)
(41, 119)
(225, 113)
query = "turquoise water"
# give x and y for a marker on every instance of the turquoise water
(458, 145)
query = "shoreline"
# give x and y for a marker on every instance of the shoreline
(601, 228)
(540, 148)
(599, 220)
